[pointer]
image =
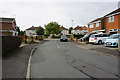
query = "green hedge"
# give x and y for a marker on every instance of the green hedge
(78, 36)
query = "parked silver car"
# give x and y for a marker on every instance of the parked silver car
(63, 38)
(98, 38)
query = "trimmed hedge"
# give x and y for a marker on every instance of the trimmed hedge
(78, 36)
(10, 43)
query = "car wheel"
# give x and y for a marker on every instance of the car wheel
(100, 42)
(66, 40)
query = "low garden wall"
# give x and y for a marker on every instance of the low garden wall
(9, 43)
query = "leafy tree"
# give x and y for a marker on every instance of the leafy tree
(22, 33)
(52, 28)
(40, 31)
(18, 30)
(70, 29)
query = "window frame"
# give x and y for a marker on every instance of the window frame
(91, 25)
(97, 24)
(111, 19)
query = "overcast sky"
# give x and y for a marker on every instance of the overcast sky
(40, 12)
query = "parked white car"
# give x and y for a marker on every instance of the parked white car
(98, 38)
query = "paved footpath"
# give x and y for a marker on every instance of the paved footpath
(14, 64)
(55, 59)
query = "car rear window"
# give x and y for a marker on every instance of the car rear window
(101, 35)
(63, 36)
(114, 36)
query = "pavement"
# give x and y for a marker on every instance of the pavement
(111, 51)
(14, 63)
(55, 59)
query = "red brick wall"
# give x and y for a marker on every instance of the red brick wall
(119, 21)
(94, 28)
(112, 25)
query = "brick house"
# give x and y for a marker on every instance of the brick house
(8, 27)
(112, 22)
(96, 26)
(84, 30)
(64, 30)
(31, 31)
(79, 30)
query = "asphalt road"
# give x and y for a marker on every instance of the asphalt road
(55, 59)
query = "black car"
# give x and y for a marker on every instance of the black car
(63, 38)
(85, 38)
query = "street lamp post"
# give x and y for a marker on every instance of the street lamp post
(72, 23)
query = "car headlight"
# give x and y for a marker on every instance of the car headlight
(115, 40)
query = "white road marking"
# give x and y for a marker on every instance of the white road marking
(57, 46)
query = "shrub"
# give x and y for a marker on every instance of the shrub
(78, 36)
(44, 37)
(71, 37)
(40, 38)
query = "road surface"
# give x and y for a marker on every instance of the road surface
(55, 59)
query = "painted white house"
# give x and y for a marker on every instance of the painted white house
(31, 31)
(79, 30)
(64, 31)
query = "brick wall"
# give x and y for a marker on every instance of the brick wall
(112, 25)
(94, 28)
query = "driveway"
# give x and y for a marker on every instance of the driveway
(111, 51)
(55, 59)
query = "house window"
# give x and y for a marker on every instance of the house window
(111, 19)
(91, 25)
(97, 24)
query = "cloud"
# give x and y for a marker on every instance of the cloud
(40, 13)
(59, 0)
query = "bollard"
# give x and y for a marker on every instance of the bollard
(119, 44)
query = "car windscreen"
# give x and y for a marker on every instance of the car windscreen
(86, 35)
(114, 36)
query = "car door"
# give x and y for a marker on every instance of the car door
(104, 37)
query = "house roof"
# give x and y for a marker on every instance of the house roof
(78, 28)
(32, 28)
(6, 19)
(63, 28)
(84, 28)
(96, 20)
(113, 12)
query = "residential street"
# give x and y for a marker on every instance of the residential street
(55, 59)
